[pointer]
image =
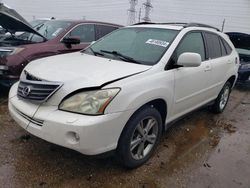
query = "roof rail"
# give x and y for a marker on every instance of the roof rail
(185, 25)
(166, 23)
(142, 23)
(200, 25)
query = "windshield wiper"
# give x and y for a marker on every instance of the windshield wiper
(122, 57)
(94, 52)
(38, 26)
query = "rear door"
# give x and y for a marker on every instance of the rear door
(102, 30)
(220, 59)
(191, 83)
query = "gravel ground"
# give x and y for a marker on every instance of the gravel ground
(201, 150)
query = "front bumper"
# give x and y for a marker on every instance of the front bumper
(6, 79)
(90, 135)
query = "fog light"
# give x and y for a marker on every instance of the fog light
(72, 138)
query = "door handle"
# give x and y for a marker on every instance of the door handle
(207, 68)
(229, 61)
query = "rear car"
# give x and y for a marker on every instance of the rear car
(43, 38)
(241, 42)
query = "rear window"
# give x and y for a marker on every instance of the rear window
(213, 45)
(223, 48)
(228, 48)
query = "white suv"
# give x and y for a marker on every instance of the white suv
(124, 90)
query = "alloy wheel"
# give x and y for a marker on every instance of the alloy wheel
(144, 138)
(224, 97)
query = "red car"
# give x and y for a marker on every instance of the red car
(25, 43)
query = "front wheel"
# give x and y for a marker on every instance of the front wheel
(140, 137)
(222, 99)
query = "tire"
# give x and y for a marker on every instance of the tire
(222, 99)
(138, 141)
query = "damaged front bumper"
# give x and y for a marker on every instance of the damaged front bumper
(90, 135)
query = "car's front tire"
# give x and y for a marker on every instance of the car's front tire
(222, 99)
(140, 137)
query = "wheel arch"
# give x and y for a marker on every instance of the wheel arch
(159, 104)
(232, 80)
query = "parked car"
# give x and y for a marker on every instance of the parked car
(51, 37)
(124, 90)
(2, 31)
(241, 42)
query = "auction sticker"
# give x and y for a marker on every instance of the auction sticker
(157, 42)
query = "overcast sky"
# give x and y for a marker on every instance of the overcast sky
(236, 12)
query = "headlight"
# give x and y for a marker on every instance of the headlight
(245, 66)
(89, 102)
(9, 51)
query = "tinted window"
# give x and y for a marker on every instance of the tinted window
(102, 30)
(223, 48)
(85, 32)
(213, 45)
(192, 42)
(228, 48)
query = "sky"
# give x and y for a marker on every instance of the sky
(236, 13)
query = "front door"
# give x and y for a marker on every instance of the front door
(191, 83)
(86, 34)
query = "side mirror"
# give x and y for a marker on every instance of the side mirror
(189, 60)
(71, 41)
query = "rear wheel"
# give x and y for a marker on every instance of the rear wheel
(222, 99)
(140, 137)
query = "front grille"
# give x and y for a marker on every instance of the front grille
(31, 77)
(30, 119)
(38, 91)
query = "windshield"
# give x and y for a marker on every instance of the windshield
(136, 45)
(49, 29)
(36, 23)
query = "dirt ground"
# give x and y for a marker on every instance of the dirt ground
(201, 150)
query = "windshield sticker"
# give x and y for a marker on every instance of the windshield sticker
(57, 32)
(157, 42)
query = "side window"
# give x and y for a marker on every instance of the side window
(193, 42)
(85, 32)
(228, 48)
(213, 45)
(102, 30)
(223, 48)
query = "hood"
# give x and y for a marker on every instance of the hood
(13, 22)
(240, 40)
(82, 70)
